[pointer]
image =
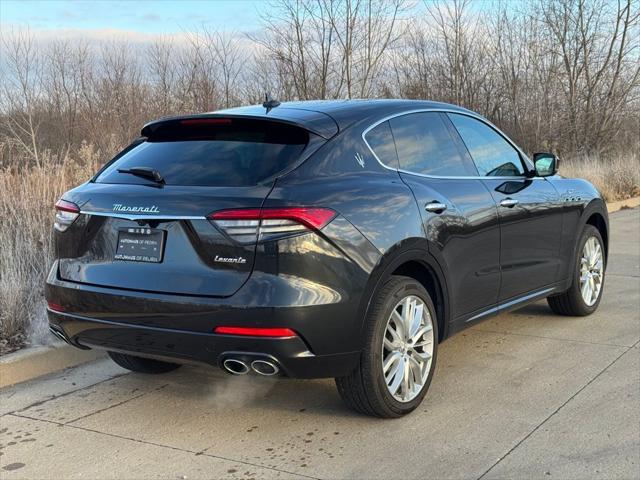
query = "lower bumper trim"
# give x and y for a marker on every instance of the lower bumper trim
(291, 354)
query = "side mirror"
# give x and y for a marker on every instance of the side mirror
(546, 164)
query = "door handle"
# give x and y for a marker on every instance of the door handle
(435, 207)
(509, 203)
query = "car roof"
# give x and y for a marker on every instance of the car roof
(346, 112)
(322, 117)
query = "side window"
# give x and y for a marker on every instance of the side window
(425, 145)
(381, 142)
(491, 153)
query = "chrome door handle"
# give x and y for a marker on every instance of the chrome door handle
(435, 207)
(509, 203)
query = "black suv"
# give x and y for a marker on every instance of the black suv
(337, 239)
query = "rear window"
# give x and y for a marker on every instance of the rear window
(425, 146)
(212, 152)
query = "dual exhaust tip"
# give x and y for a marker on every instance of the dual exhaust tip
(236, 366)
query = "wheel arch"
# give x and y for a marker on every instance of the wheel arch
(595, 214)
(414, 261)
(597, 220)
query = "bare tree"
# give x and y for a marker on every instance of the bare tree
(600, 63)
(22, 93)
(556, 74)
(227, 55)
(164, 73)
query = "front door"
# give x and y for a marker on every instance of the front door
(529, 209)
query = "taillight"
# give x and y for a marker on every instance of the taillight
(256, 331)
(251, 224)
(56, 307)
(66, 214)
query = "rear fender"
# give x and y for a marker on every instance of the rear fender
(410, 250)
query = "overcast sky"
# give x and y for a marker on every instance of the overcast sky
(141, 16)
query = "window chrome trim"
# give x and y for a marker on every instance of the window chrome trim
(143, 217)
(526, 159)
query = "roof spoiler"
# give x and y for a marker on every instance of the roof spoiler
(315, 122)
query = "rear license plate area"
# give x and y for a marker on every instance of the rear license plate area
(140, 245)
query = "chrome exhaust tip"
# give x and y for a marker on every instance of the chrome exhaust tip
(58, 334)
(235, 366)
(264, 367)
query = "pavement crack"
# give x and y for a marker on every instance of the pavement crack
(160, 445)
(580, 390)
(62, 395)
(117, 404)
(259, 465)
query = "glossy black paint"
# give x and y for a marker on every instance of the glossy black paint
(476, 258)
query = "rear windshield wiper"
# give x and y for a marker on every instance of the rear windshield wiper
(144, 172)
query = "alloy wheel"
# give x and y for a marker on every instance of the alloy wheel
(407, 349)
(591, 271)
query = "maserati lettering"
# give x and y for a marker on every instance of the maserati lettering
(118, 207)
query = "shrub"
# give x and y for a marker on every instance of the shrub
(27, 195)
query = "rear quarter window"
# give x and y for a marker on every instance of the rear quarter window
(231, 153)
(380, 140)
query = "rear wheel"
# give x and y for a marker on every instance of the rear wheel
(142, 365)
(399, 355)
(584, 295)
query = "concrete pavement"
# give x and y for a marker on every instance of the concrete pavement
(524, 395)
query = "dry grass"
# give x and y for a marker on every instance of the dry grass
(26, 215)
(616, 179)
(27, 196)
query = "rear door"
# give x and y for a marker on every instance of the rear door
(156, 235)
(458, 214)
(529, 209)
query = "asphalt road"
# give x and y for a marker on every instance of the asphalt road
(524, 395)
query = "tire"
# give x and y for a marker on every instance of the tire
(572, 302)
(142, 365)
(365, 389)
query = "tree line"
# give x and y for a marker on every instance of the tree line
(560, 75)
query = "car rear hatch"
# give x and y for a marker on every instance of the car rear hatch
(145, 219)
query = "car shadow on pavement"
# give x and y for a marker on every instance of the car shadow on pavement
(215, 389)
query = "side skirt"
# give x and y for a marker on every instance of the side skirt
(472, 318)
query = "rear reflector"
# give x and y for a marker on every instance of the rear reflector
(55, 307)
(256, 332)
(66, 214)
(246, 225)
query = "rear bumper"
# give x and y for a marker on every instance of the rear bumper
(291, 354)
(180, 329)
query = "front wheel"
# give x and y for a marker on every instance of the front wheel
(399, 354)
(584, 295)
